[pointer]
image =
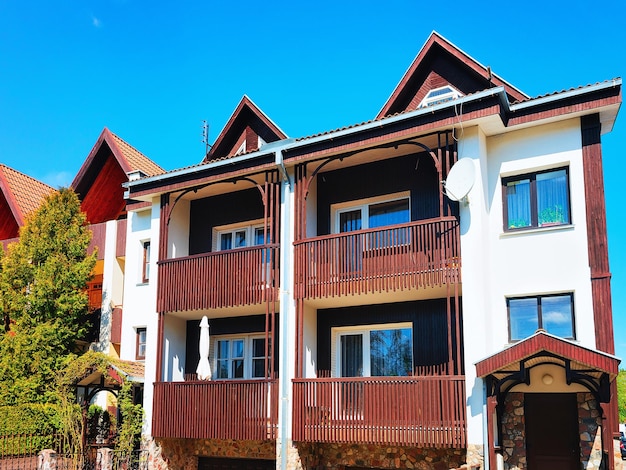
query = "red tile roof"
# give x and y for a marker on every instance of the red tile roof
(136, 160)
(23, 193)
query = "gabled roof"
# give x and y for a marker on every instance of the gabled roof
(99, 180)
(242, 132)
(542, 343)
(20, 195)
(440, 63)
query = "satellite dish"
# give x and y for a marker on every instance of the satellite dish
(460, 179)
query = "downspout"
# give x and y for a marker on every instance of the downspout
(281, 167)
(285, 373)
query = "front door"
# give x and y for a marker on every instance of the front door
(552, 440)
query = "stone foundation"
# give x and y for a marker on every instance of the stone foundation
(339, 456)
(182, 454)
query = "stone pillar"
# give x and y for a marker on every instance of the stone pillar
(104, 459)
(47, 460)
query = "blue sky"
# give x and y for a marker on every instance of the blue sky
(152, 71)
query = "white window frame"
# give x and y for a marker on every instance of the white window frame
(248, 341)
(339, 331)
(433, 97)
(249, 227)
(363, 205)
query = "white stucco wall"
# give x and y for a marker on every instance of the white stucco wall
(139, 298)
(178, 230)
(497, 265)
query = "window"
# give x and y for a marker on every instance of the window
(240, 236)
(536, 200)
(241, 357)
(371, 213)
(140, 351)
(374, 350)
(439, 95)
(145, 264)
(553, 313)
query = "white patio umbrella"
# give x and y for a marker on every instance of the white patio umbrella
(204, 367)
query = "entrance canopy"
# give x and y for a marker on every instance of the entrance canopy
(505, 369)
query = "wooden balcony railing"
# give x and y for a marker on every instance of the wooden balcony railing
(218, 409)
(424, 411)
(245, 276)
(406, 256)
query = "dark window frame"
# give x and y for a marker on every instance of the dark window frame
(539, 312)
(534, 216)
(139, 343)
(145, 264)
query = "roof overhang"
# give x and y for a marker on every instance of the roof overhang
(489, 109)
(588, 367)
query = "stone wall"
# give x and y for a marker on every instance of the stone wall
(590, 429)
(338, 456)
(514, 432)
(182, 454)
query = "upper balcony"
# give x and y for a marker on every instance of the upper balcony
(405, 256)
(231, 278)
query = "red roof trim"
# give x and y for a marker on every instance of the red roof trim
(10, 198)
(436, 39)
(244, 103)
(542, 341)
(105, 136)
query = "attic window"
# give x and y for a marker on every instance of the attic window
(439, 95)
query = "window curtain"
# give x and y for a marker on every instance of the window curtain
(518, 203)
(552, 197)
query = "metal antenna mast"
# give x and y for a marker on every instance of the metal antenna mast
(205, 136)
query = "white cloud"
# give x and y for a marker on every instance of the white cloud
(556, 318)
(96, 22)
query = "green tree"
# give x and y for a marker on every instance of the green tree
(621, 395)
(43, 278)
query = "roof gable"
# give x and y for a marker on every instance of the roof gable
(542, 341)
(245, 131)
(440, 63)
(20, 195)
(99, 181)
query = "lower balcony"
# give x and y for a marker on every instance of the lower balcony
(244, 276)
(417, 254)
(221, 409)
(423, 411)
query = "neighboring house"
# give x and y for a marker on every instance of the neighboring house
(99, 188)
(363, 314)
(20, 195)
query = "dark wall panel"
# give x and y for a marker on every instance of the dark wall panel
(220, 210)
(429, 319)
(415, 173)
(225, 326)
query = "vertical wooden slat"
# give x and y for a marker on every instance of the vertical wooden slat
(378, 260)
(216, 410)
(426, 411)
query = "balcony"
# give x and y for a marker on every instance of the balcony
(220, 409)
(425, 253)
(423, 411)
(244, 276)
